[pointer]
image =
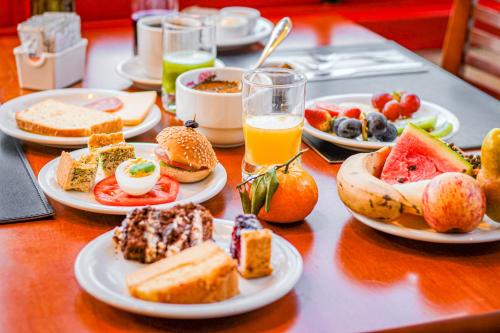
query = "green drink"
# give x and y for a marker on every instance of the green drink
(174, 64)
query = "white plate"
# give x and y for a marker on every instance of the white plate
(262, 30)
(426, 109)
(131, 69)
(195, 192)
(101, 271)
(415, 227)
(75, 96)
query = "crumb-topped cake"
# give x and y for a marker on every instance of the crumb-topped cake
(251, 246)
(148, 234)
(76, 174)
(204, 273)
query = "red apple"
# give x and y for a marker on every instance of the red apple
(453, 202)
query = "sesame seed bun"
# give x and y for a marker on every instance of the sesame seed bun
(184, 176)
(185, 145)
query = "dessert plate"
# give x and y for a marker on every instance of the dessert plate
(262, 30)
(195, 192)
(77, 96)
(101, 271)
(426, 109)
(131, 69)
(414, 227)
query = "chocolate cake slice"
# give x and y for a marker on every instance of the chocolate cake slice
(148, 234)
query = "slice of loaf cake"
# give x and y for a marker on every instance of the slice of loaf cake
(77, 175)
(54, 118)
(201, 274)
(103, 139)
(251, 246)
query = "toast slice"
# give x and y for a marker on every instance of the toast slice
(201, 274)
(54, 118)
(77, 175)
(136, 106)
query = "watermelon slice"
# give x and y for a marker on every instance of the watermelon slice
(418, 155)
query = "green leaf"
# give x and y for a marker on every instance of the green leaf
(258, 195)
(245, 199)
(272, 185)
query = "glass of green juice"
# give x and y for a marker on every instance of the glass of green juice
(188, 43)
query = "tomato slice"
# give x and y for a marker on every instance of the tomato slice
(108, 104)
(107, 192)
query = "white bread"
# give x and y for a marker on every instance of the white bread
(136, 107)
(54, 118)
(201, 274)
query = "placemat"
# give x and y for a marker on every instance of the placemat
(20, 197)
(477, 111)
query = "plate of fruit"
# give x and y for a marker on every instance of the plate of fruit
(425, 189)
(366, 122)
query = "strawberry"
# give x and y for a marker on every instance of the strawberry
(319, 118)
(333, 110)
(351, 113)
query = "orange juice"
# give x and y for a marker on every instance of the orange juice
(271, 139)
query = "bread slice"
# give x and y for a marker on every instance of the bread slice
(201, 274)
(54, 118)
(136, 107)
(111, 156)
(78, 175)
(103, 139)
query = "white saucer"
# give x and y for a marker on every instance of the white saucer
(426, 109)
(101, 271)
(415, 227)
(262, 30)
(131, 69)
(76, 96)
(195, 192)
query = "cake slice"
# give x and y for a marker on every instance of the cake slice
(104, 139)
(251, 246)
(201, 274)
(77, 175)
(55, 118)
(111, 156)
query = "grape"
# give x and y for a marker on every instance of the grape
(380, 99)
(392, 110)
(377, 123)
(349, 128)
(389, 135)
(336, 122)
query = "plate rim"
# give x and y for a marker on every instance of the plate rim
(368, 145)
(44, 183)
(186, 311)
(423, 235)
(151, 120)
(250, 39)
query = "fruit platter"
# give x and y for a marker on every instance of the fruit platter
(425, 189)
(366, 122)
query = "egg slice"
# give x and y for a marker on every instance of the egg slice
(137, 176)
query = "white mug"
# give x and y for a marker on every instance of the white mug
(149, 45)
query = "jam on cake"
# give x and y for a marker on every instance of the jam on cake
(201, 274)
(148, 234)
(251, 246)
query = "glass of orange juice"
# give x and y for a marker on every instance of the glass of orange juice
(273, 117)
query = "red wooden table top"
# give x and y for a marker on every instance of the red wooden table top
(355, 278)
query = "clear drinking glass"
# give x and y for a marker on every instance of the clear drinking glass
(273, 117)
(188, 43)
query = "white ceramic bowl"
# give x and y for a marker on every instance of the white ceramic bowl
(218, 114)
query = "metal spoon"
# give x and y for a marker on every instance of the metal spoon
(280, 32)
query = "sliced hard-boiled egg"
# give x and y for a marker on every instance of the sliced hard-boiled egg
(137, 176)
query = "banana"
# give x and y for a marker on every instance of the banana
(361, 190)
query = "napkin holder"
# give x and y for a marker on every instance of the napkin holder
(51, 70)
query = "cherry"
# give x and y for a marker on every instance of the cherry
(410, 104)
(392, 110)
(380, 99)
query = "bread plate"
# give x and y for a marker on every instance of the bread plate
(426, 109)
(415, 227)
(195, 192)
(101, 272)
(77, 96)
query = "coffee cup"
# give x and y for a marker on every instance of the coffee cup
(149, 45)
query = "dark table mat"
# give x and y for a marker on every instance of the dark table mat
(477, 111)
(20, 197)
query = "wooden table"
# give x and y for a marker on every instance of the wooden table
(355, 278)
